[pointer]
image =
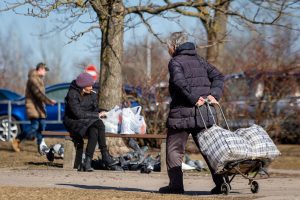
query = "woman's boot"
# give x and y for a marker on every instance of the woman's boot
(87, 165)
(108, 159)
(176, 182)
(78, 164)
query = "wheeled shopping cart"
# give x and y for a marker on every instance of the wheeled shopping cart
(230, 154)
(247, 168)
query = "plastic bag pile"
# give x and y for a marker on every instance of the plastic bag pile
(125, 121)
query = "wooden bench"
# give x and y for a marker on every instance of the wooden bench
(69, 149)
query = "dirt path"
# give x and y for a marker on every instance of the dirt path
(26, 175)
(133, 185)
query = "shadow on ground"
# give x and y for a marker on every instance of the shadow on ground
(48, 164)
(98, 187)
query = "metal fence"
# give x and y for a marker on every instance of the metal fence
(10, 122)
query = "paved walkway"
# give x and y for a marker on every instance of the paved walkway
(284, 171)
(272, 188)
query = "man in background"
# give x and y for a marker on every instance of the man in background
(35, 100)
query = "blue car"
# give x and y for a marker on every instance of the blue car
(8, 95)
(5, 96)
(18, 112)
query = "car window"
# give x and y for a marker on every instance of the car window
(58, 94)
(8, 95)
(12, 95)
(2, 97)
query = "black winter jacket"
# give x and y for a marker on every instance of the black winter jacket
(191, 77)
(80, 111)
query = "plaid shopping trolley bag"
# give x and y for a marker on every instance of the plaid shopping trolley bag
(222, 145)
(262, 145)
(246, 151)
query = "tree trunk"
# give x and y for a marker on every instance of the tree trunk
(216, 34)
(111, 20)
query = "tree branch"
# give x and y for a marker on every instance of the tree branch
(150, 28)
(76, 36)
(156, 9)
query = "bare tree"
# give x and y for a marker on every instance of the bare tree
(106, 15)
(14, 60)
(215, 16)
(135, 62)
(109, 17)
(268, 87)
(53, 55)
(155, 95)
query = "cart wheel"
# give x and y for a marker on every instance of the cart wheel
(225, 188)
(254, 187)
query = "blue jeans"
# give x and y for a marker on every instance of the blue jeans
(35, 130)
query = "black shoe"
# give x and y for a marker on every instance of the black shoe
(108, 159)
(168, 190)
(87, 165)
(216, 190)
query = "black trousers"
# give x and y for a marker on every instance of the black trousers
(95, 134)
(176, 142)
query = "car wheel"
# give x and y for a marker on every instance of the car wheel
(14, 129)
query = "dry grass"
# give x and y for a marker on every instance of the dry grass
(290, 158)
(28, 157)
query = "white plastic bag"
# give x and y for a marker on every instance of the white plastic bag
(139, 125)
(132, 121)
(113, 120)
(128, 116)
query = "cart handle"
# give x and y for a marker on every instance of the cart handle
(208, 102)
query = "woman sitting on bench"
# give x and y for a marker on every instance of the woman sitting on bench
(83, 118)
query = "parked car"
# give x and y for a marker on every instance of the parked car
(270, 99)
(18, 112)
(8, 95)
(5, 96)
(54, 113)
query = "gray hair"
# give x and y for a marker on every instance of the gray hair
(176, 39)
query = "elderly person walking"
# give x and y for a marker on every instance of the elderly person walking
(192, 80)
(83, 118)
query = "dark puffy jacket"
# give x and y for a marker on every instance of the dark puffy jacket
(191, 77)
(81, 111)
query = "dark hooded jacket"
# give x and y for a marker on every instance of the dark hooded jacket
(191, 77)
(81, 111)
